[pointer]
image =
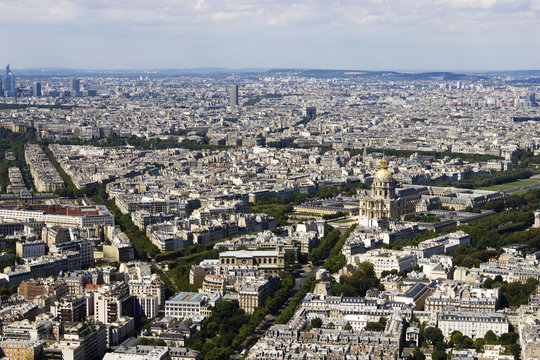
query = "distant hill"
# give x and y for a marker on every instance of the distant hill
(390, 75)
(514, 73)
(529, 76)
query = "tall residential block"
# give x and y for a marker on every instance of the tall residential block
(36, 89)
(234, 95)
(74, 84)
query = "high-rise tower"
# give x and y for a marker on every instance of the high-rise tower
(234, 95)
(36, 89)
(9, 83)
(74, 85)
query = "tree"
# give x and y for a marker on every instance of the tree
(439, 355)
(366, 269)
(467, 342)
(479, 344)
(488, 283)
(508, 338)
(490, 337)
(433, 335)
(418, 354)
(374, 326)
(316, 323)
(456, 338)
(290, 259)
(218, 354)
(331, 325)
(439, 352)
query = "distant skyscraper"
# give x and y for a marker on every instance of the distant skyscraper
(36, 89)
(311, 112)
(234, 95)
(531, 98)
(9, 83)
(74, 85)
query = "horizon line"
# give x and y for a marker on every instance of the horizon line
(264, 69)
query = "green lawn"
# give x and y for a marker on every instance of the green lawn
(344, 221)
(511, 185)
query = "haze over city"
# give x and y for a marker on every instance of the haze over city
(373, 35)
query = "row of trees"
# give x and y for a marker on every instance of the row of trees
(337, 260)
(6, 292)
(109, 141)
(514, 293)
(325, 246)
(289, 143)
(144, 248)
(143, 143)
(227, 329)
(511, 224)
(433, 336)
(429, 218)
(14, 142)
(257, 99)
(325, 192)
(152, 342)
(71, 191)
(156, 143)
(435, 154)
(278, 211)
(170, 290)
(376, 325)
(4, 106)
(295, 301)
(486, 180)
(333, 216)
(214, 339)
(190, 250)
(179, 268)
(271, 306)
(524, 158)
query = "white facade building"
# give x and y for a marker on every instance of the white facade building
(187, 305)
(30, 249)
(149, 285)
(386, 260)
(146, 306)
(472, 324)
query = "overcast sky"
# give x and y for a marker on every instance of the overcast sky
(328, 34)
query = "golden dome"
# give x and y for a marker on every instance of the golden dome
(383, 174)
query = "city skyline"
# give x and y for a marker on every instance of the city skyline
(424, 36)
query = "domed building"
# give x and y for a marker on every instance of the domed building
(383, 201)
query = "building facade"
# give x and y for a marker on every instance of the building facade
(252, 295)
(383, 201)
(187, 305)
(472, 324)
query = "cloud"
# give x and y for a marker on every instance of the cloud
(278, 31)
(260, 14)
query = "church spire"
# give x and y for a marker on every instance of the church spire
(383, 162)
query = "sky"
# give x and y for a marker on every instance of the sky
(402, 35)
